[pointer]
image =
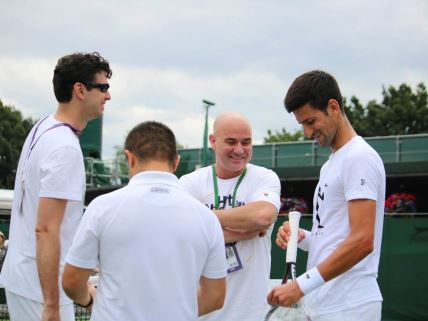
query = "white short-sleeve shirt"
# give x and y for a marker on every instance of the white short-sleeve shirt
(248, 287)
(355, 171)
(152, 242)
(51, 165)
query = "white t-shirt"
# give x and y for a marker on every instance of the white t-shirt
(152, 242)
(355, 171)
(53, 168)
(248, 287)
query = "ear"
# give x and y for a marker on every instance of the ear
(176, 163)
(131, 159)
(211, 138)
(79, 90)
(333, 106)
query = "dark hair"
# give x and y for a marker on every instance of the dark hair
(314, 87)
(152, 140)
(77, 67)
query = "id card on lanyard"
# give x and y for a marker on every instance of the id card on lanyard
(232, 255)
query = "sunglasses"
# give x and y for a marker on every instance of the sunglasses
(103, 87)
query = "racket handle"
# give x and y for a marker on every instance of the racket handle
(293, 218)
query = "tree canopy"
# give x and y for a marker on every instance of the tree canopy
(13, 131)
(402, 111)
(283, 136)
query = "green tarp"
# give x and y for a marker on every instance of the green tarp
(403, 276)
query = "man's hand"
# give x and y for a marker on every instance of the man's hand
(93, 292)
(285, 294)
(283, 235)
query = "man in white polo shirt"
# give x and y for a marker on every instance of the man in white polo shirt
(160, 252)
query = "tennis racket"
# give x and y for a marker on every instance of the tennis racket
(296, 312)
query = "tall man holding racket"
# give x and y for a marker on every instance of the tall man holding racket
(246, 200)
(160, 252)
(49, 192)
(345, 241)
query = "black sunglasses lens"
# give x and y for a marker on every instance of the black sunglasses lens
(104, 87)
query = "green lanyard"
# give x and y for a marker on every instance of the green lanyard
(216, 201)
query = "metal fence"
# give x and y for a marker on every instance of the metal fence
(399, 150)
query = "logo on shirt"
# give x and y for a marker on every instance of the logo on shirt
(225, 201)
(157, 189)
(320, 198)
(363, 182)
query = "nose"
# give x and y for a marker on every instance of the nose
(307, 131)
(108, 96)
(239, 149)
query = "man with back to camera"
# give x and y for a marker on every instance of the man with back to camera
(345, 241)
(49, 191)
(160, 252)
(246, 200)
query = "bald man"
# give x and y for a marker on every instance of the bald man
(246, 200)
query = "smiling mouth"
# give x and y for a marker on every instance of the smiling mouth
(238, 157)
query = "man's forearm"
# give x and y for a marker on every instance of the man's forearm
(231, 236)
(47, 256)
(349, 253)
(254, 216)
(80, 294)
(211, 295)
(358, 244)
(76, 286)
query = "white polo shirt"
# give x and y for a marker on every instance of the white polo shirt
(152, 242)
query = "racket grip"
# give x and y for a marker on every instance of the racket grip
(294, 218)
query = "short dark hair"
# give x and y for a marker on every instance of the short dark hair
(77, 67)
(152, 140)
(314, 87)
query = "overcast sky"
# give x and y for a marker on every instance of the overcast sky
(167, 56)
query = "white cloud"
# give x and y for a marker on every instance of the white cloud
(167, 56)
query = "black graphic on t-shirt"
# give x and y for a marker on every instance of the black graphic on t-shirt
(319, 197)
(223, 201)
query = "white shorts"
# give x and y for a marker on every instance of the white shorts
(367, 312)
(24, 309)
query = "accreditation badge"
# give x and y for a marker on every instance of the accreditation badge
(232, 258)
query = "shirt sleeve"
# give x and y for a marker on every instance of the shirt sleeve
(268, 188)
(185, 183)
(362, 176)
(84, 250)
(215, 267)
(59, 174)
(192, 183)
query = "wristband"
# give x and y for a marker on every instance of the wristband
(310, 280)
(91, 300)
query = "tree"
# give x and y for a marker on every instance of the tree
(283, 136)
(13, 131)
(401, 112)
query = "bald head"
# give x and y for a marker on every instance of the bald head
(232, 143)
(230, 119)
